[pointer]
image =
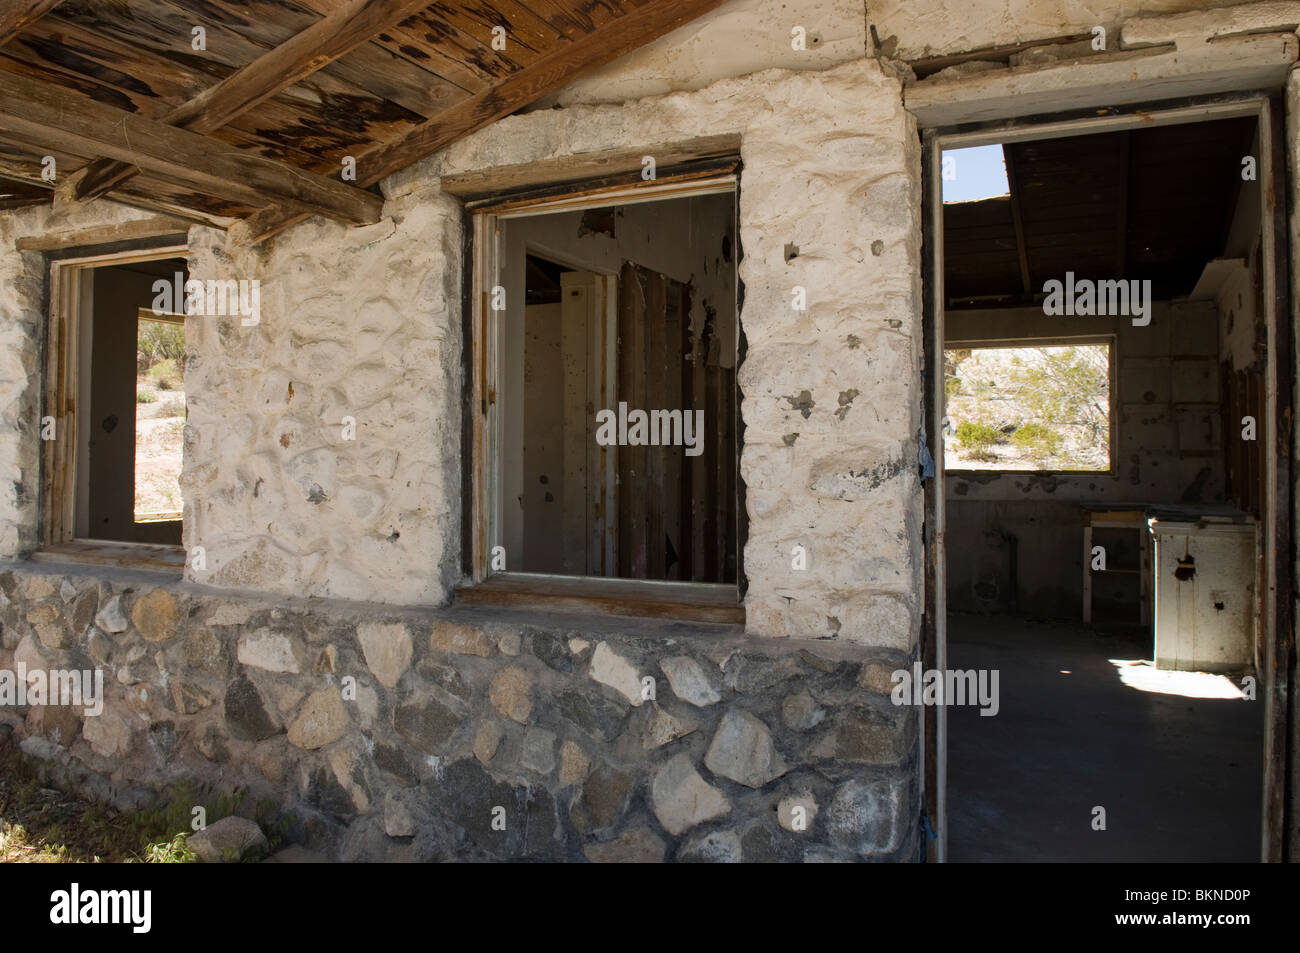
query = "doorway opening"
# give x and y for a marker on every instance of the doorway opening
(1104, 390)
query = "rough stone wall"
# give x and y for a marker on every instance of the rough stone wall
(355, 323)
(366, 324)
(22, 372)
(646, 745)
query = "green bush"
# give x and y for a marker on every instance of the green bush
(145, 397)
(977, 438)
(159, 341)
(165, 374)
(1037, 440)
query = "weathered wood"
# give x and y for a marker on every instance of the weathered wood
(610, 597)
(1121, 206)
(148, 556)
(686, 390)
(633, 485)
(557, 69)
(675, 457)
(22, 14)
(1014, 186)
(552, 71)
(277, 69)
(7, 202)
(655, 327)
(155, 227)
(35, 112)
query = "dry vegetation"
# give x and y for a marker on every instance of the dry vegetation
(1028, 408)
(159, 419)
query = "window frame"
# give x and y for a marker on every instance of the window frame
(482, 364)
(62, 459)
(1111, 340)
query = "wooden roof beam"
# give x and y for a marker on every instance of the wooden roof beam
(20, 15)
(553, 71)
(1018, 221)
(293, 60)
(52, 117)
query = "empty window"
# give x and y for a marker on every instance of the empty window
(115, 457)
(1028, 407)
(613, 392)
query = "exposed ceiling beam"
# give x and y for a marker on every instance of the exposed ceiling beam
(18, 15)
(553, 71)
(1018, 220)
(298, 57)
(8, 202)
(46, 116)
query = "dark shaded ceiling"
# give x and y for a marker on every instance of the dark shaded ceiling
(1150, 203)
(224, 109)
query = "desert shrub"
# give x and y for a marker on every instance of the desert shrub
(977, 437)
(145, 397)
(1037, 440)
(165, 374)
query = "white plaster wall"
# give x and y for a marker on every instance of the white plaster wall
(917, 29)
(735, 39)
(831, 165)
(368, 324)
(361, 323)
(22, 329)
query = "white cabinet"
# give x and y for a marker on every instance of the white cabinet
(1205, 588)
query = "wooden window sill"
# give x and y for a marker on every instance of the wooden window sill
(679, 601)
(150, 556)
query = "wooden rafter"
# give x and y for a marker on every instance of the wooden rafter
(525, 86)
(47, 116)
(277, 69)
(20, 14)
(1018, 220)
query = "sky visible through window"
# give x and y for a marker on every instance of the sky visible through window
(973, 174)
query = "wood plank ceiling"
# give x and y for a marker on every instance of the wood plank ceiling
(1148, 203)
(254, 123)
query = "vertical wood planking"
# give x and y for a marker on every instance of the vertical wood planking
(573, 349)
(673, 456)
(700, 464)
(686, 389)
(710, 455)
(655, 323)
(632, 388)
(730, 462)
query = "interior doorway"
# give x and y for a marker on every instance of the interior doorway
(1104, 519)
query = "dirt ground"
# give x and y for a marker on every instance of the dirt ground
(159, 439)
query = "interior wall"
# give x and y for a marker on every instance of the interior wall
(1167, 449)
(691, 240)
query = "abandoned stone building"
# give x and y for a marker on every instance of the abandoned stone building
(550, 430)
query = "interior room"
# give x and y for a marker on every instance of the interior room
(1104, 346)
(611, 312)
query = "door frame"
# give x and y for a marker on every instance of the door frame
(1276, 688)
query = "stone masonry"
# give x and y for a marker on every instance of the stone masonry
(399, 734)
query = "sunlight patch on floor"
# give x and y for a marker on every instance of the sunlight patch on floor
(1144, 676)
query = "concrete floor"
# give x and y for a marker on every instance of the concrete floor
(1180, 777)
